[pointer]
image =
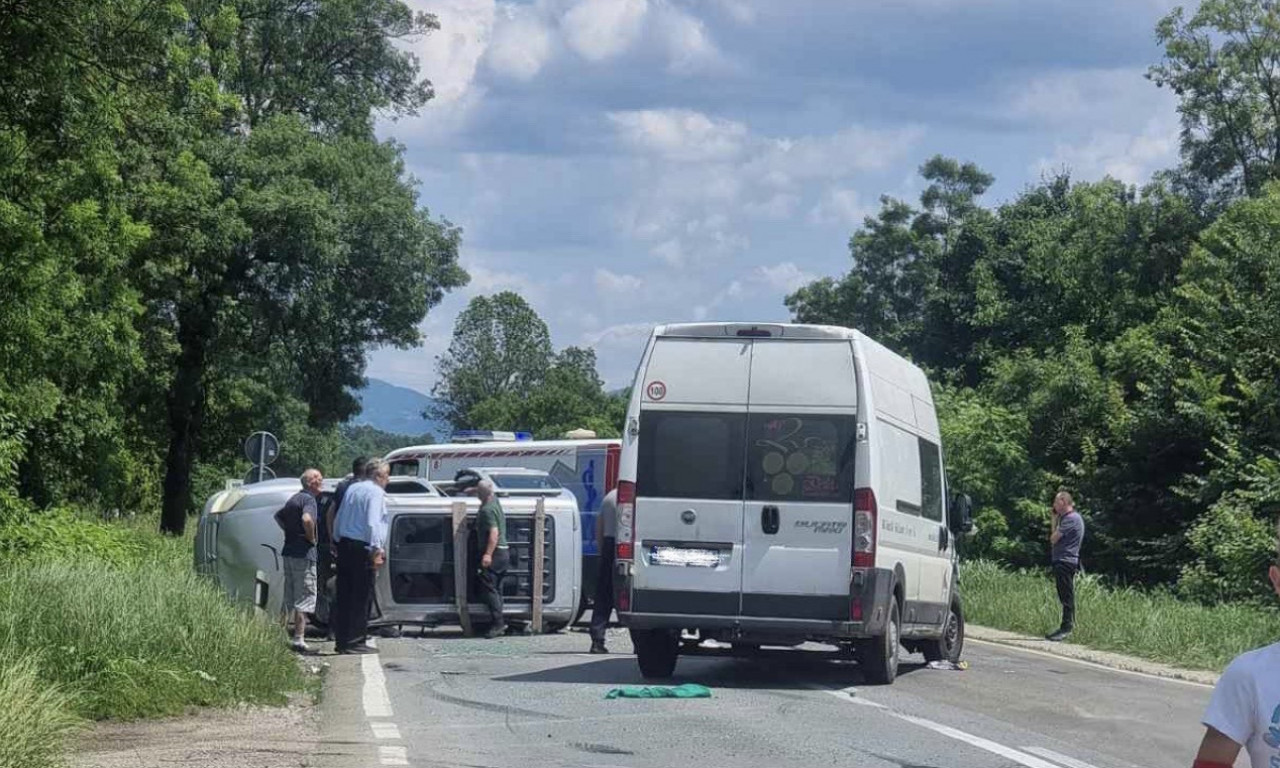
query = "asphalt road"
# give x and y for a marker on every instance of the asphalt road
(522, 702)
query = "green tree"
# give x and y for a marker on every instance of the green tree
(500, 348)
(285, 250)
(1221, 62)
(571, 396)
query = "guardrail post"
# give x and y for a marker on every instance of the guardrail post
(539, 534)
(460, 565)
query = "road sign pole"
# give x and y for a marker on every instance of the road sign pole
(262, 457)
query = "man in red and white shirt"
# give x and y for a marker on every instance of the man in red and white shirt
(1244, 712)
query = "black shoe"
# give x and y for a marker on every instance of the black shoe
(495, 632)
(598, 648)
(388, 631)
(1058, 636)
(359, 649)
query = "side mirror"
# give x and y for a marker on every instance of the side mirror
(961, 514)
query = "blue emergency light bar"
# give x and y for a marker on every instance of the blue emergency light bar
(488, 436)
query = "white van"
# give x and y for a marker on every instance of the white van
(782, 484)
(237, 544)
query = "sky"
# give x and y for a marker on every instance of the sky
(624, 163)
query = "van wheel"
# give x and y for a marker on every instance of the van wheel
(657, 651)
(951, 644)
(880, 654)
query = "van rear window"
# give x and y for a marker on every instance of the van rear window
(690, 455)
(800, 457)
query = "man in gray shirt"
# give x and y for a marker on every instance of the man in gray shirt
(1065, 538)
(606, 540)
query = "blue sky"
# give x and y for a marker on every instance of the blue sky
(623, 163)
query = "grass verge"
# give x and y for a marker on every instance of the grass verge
(122, 632)
(1147, 625)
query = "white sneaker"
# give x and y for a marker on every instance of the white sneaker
(300, 646)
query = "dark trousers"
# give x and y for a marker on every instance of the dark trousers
(1064, 574)
(355, 593)
(489, 587)
(604, 592)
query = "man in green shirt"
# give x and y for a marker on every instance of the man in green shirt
(491, 527)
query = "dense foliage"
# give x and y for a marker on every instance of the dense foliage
(200, 235)
(500, 372)
(1117, 341)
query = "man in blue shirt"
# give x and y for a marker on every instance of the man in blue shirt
(1065, 540)
(360, 532)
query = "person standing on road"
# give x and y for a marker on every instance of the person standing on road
(606, 540)
(361, 534)
(1244, 711)
(299, 519)
(327, 548)
(491, 528)
(1065, 539)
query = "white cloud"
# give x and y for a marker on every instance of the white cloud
(449, 57)
(602, 29)
(785, 277)
(612, 282)
(1129, 157)
(670, 251)
(689, 45)
(680, 134)
(616, 333)
(521, 44)
(840, 206)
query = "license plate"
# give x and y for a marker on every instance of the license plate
(687, 557)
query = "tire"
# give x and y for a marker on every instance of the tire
(951, 644)
(657, 651)
(880, 656)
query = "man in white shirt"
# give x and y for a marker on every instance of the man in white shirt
(360, 532)
(1244, 712)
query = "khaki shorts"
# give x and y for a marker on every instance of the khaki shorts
(299, 585)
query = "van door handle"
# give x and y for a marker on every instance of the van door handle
(770, 519)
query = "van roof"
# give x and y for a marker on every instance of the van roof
(776, 330)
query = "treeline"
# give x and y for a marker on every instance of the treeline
(200, 235)
(1120, 342)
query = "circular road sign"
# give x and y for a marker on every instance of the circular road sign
(251, 476)
(261, 448)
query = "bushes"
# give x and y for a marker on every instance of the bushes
(36, 718)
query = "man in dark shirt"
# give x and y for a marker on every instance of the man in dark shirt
(299, 518)
(491, 528)
(1065, 539)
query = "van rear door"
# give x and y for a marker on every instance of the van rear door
(689, 479)
(800, 440)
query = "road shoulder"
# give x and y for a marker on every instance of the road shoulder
(1089, 655)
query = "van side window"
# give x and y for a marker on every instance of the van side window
(800, 457)
(900, 469)
(690, 455)
(407, 468)
(930, 481)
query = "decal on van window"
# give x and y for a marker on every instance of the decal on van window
(656, 390)
(801, 458)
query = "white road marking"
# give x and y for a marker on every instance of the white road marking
(1049, 754)
(850, 696)
(393, 755)
(1086, 663)
(376, 702)
(385, 730)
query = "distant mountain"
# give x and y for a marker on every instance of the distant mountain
(397, 410)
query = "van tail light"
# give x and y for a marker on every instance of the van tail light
(864, 528)
(626, 520)
(855, 609)
(612, 461)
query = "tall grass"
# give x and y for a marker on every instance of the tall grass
(1150, 625)
(36, 718)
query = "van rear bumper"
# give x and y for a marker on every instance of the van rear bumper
(863, 612)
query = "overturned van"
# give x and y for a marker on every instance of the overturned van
(783, 484)
(238, 544)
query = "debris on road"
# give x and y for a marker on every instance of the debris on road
(954, 666)
(686, 691)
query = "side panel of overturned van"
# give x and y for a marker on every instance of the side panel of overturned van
(238, 544)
